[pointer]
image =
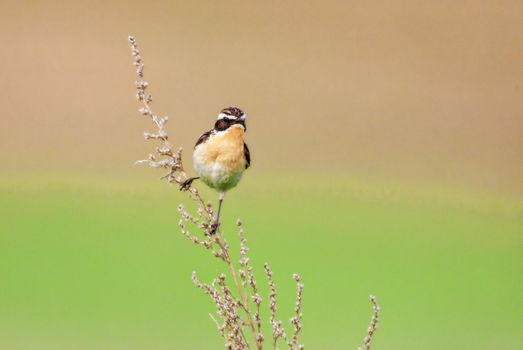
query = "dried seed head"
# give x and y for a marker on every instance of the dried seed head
(371, 330)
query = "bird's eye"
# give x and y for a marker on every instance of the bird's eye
(222, 124)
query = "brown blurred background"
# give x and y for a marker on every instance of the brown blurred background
(406, 91)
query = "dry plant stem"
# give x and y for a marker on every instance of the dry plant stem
(373, 323)
(277, 328)
(245, 303)
(226, 307)
(230, 300)
(223, 254)
(296, 320)
(248, 278)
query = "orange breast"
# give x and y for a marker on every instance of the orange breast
(227, 149)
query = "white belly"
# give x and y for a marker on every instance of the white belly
(215, 174)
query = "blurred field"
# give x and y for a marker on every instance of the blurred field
(93, 264)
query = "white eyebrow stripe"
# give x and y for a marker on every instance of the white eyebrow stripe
(231, 117)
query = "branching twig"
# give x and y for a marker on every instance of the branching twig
(243, 298)
(165, 156)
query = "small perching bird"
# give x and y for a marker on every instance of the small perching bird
(221, 155)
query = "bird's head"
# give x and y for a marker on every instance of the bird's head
(228, 117)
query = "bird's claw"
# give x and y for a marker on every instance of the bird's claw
(214, 227)
(184, 186)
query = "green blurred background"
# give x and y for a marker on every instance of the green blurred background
(387, 144)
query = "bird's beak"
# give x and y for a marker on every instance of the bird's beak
(242, 123)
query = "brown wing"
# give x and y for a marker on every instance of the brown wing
(247, 155)
(204, 137)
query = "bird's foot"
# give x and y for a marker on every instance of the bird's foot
(184, 186)
(214, 227)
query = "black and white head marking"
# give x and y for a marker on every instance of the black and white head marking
(231, 113)
(228, 117)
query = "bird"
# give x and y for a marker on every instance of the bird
(221, 156)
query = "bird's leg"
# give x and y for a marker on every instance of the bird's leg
(184, 186)
(216, 223)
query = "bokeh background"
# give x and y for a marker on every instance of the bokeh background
(387, 145)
